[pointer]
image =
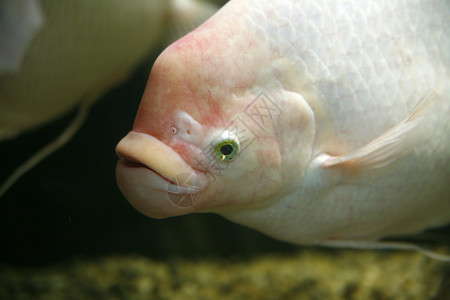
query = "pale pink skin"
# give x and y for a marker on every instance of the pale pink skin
(283, 184)
(215, 94)
(211, 104)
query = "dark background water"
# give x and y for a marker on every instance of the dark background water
(70, 206)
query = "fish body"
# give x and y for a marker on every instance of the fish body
(311, 121)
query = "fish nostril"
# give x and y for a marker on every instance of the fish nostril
(186, 125)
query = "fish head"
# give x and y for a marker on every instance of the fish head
(207, 138)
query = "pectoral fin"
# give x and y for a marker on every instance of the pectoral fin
(387, 148)
(19, 22)
(385, 245)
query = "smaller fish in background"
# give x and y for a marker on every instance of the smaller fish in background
(57, 55)
(315, 122)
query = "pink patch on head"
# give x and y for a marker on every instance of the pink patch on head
(211, 112)
(199, 74)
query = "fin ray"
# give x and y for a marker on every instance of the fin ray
(382, 151)
(384, 245)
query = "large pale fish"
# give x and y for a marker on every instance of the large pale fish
(315, 122)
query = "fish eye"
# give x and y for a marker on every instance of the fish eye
(227, 147)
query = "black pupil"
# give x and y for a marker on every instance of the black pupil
(226, 149)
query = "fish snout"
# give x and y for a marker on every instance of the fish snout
(155, 179)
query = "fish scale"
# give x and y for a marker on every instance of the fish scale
(382, 84)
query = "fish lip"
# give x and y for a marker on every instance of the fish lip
(150, 193)
(173, 187)
(155, 178)
(139, 149)
(133, 163)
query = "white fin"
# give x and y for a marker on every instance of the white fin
(83, 110)
(390, 146)
(48, 149)
(382, 245)
(19, 22)
(186, 15)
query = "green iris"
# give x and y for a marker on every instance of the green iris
(226, 150)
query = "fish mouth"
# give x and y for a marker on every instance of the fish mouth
(155, 179)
